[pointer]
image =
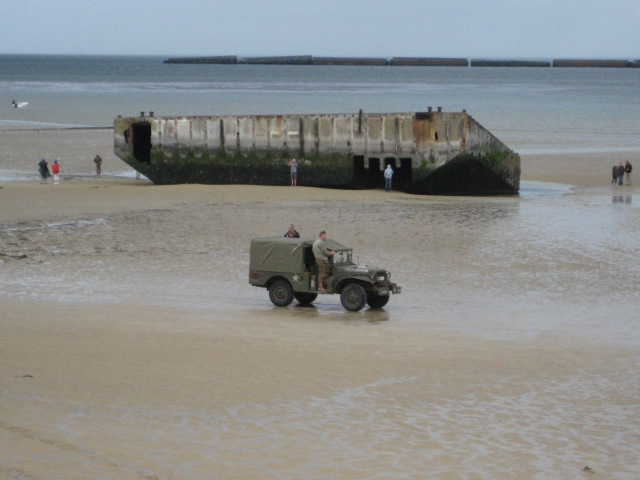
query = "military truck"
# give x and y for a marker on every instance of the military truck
(287, 268)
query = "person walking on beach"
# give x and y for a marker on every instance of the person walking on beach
(292, 232)
(628, 169)
(620, 173)
(388, 177)
(98, 161)
(293, 165)
(43, 168)
(614, 174)
(55, 168)
(322, 254)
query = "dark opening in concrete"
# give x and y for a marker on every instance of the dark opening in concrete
(141, 137)
(359, 172)
(401, 173)
(405, 173)
(374, 177)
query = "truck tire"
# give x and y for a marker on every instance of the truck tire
(281, 293)
(305, 298)
(353, 297)
(377, 301)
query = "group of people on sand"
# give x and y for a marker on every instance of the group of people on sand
(321, 253)
(388, 175)
(43, 169)
(618, 172)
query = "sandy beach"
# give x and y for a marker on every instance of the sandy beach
(132, 346)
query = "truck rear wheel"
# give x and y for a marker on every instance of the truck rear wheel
(377, 301)
(281, 293)
(353, 297)
(305, 298)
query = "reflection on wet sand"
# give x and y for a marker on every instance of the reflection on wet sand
(333, 313)
(622, 199)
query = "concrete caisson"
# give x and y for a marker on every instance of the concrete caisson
(432, 152)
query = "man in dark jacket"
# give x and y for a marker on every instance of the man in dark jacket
(614, 174)
(98, 161)
(44, 170)
(620, 173)
(627, 169)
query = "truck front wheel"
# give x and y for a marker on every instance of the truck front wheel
(281, 293)
(305, 298)
(377, 301)
(353, 297)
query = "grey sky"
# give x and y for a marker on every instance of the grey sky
(467, 28)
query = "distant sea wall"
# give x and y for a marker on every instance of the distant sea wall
(403, 62)
(592, 64)
(509, 63)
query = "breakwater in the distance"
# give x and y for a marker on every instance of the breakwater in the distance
(404, 62)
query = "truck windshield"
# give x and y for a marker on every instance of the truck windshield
(342, 257)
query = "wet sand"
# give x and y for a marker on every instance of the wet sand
(132, 345)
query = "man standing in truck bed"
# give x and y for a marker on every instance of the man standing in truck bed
(322, 254)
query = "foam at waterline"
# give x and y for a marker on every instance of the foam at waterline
(6, 124)
(530, 188)
(25, 176)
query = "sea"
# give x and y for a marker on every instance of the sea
(533, 110)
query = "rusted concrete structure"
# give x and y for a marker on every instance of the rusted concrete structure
(432, 152)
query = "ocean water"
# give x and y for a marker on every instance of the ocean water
(533, 110)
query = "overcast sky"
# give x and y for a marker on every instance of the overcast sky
(465, 28)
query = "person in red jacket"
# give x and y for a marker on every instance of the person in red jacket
(55, 168)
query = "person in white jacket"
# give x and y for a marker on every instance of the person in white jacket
(388, 176)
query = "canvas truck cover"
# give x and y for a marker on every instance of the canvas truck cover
(281, 254)
(278, 254)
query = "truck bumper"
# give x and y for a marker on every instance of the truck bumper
(384, 290)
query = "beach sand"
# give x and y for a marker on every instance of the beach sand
(132, 346)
